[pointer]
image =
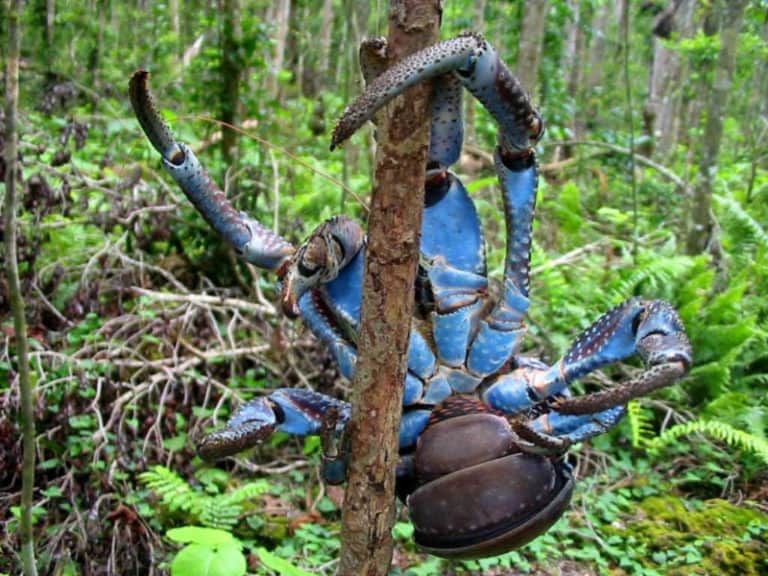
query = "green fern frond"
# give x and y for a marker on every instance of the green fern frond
(744, 229)
(718, 430)
(174, 491)
(246, 492)
(214, 513)
(221, 511)
(639, 424)
(657, 276)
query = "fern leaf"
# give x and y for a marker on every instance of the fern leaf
(639, 423)
(744, 228)
(174, 491)
(718, 430)
(215, 513)
(245, 492)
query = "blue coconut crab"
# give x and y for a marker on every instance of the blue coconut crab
(484, 428)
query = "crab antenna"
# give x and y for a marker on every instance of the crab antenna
(254, 242)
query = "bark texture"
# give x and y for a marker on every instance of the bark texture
(531, 39)
(392, 259)
(282, 16)
(14, 14)
(700, 230)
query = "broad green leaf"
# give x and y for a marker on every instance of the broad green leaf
(282, 567)
(202, 560)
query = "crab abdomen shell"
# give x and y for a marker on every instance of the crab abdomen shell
(490, 508)
(482, 437)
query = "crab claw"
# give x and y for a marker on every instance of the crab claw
(257, 244)
(661, 337)
(251, 424)
(319, 259)
(477, 66)
(291, 410)
(661, 341)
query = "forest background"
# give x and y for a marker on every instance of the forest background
(145, 330)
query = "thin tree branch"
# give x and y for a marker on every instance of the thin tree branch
(26, 390)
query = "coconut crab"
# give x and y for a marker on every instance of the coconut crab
(476, 413)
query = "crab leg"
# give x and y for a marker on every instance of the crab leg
(502, 330)
(651, 329)
(254, 242)
(290, 410)
(459, 289)
(555, 432)
(476, 65)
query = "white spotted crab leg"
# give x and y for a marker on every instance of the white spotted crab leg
(256, 243)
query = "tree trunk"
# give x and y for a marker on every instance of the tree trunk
(26, 391)
(598, 45)
(668, 100)
(573, 62)
(700, 229)
(326, 36)
(283, 17)
(757, 131)
(231, 71)
(391, 263)
(531, 39)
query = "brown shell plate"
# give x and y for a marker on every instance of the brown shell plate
(490, 508)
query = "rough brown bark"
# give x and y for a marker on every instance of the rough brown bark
(531, 40)
(26, 391)
(700, 228)
(392, 259)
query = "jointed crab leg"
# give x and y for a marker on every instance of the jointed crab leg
(476, 65)
(651, 329)
(291, 410)
(501, 331)
(253, 241)
(456, 271)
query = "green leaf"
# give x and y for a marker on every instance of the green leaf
(202, 560)
(282, 567)
(200, 535)
(311, 445)
(175, 443)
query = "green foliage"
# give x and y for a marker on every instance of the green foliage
(279, 565)
(737, 439)
(219, 511)
(208, 552)
(640, 424)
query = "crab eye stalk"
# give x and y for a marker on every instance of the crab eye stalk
(319, 259)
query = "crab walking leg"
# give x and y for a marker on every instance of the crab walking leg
(579, 418)
(447, 126)
(566, 429)
(476, 65)
(290, 410)
(651, 329)
(454, 251)
(501, 331)
(254, 242)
